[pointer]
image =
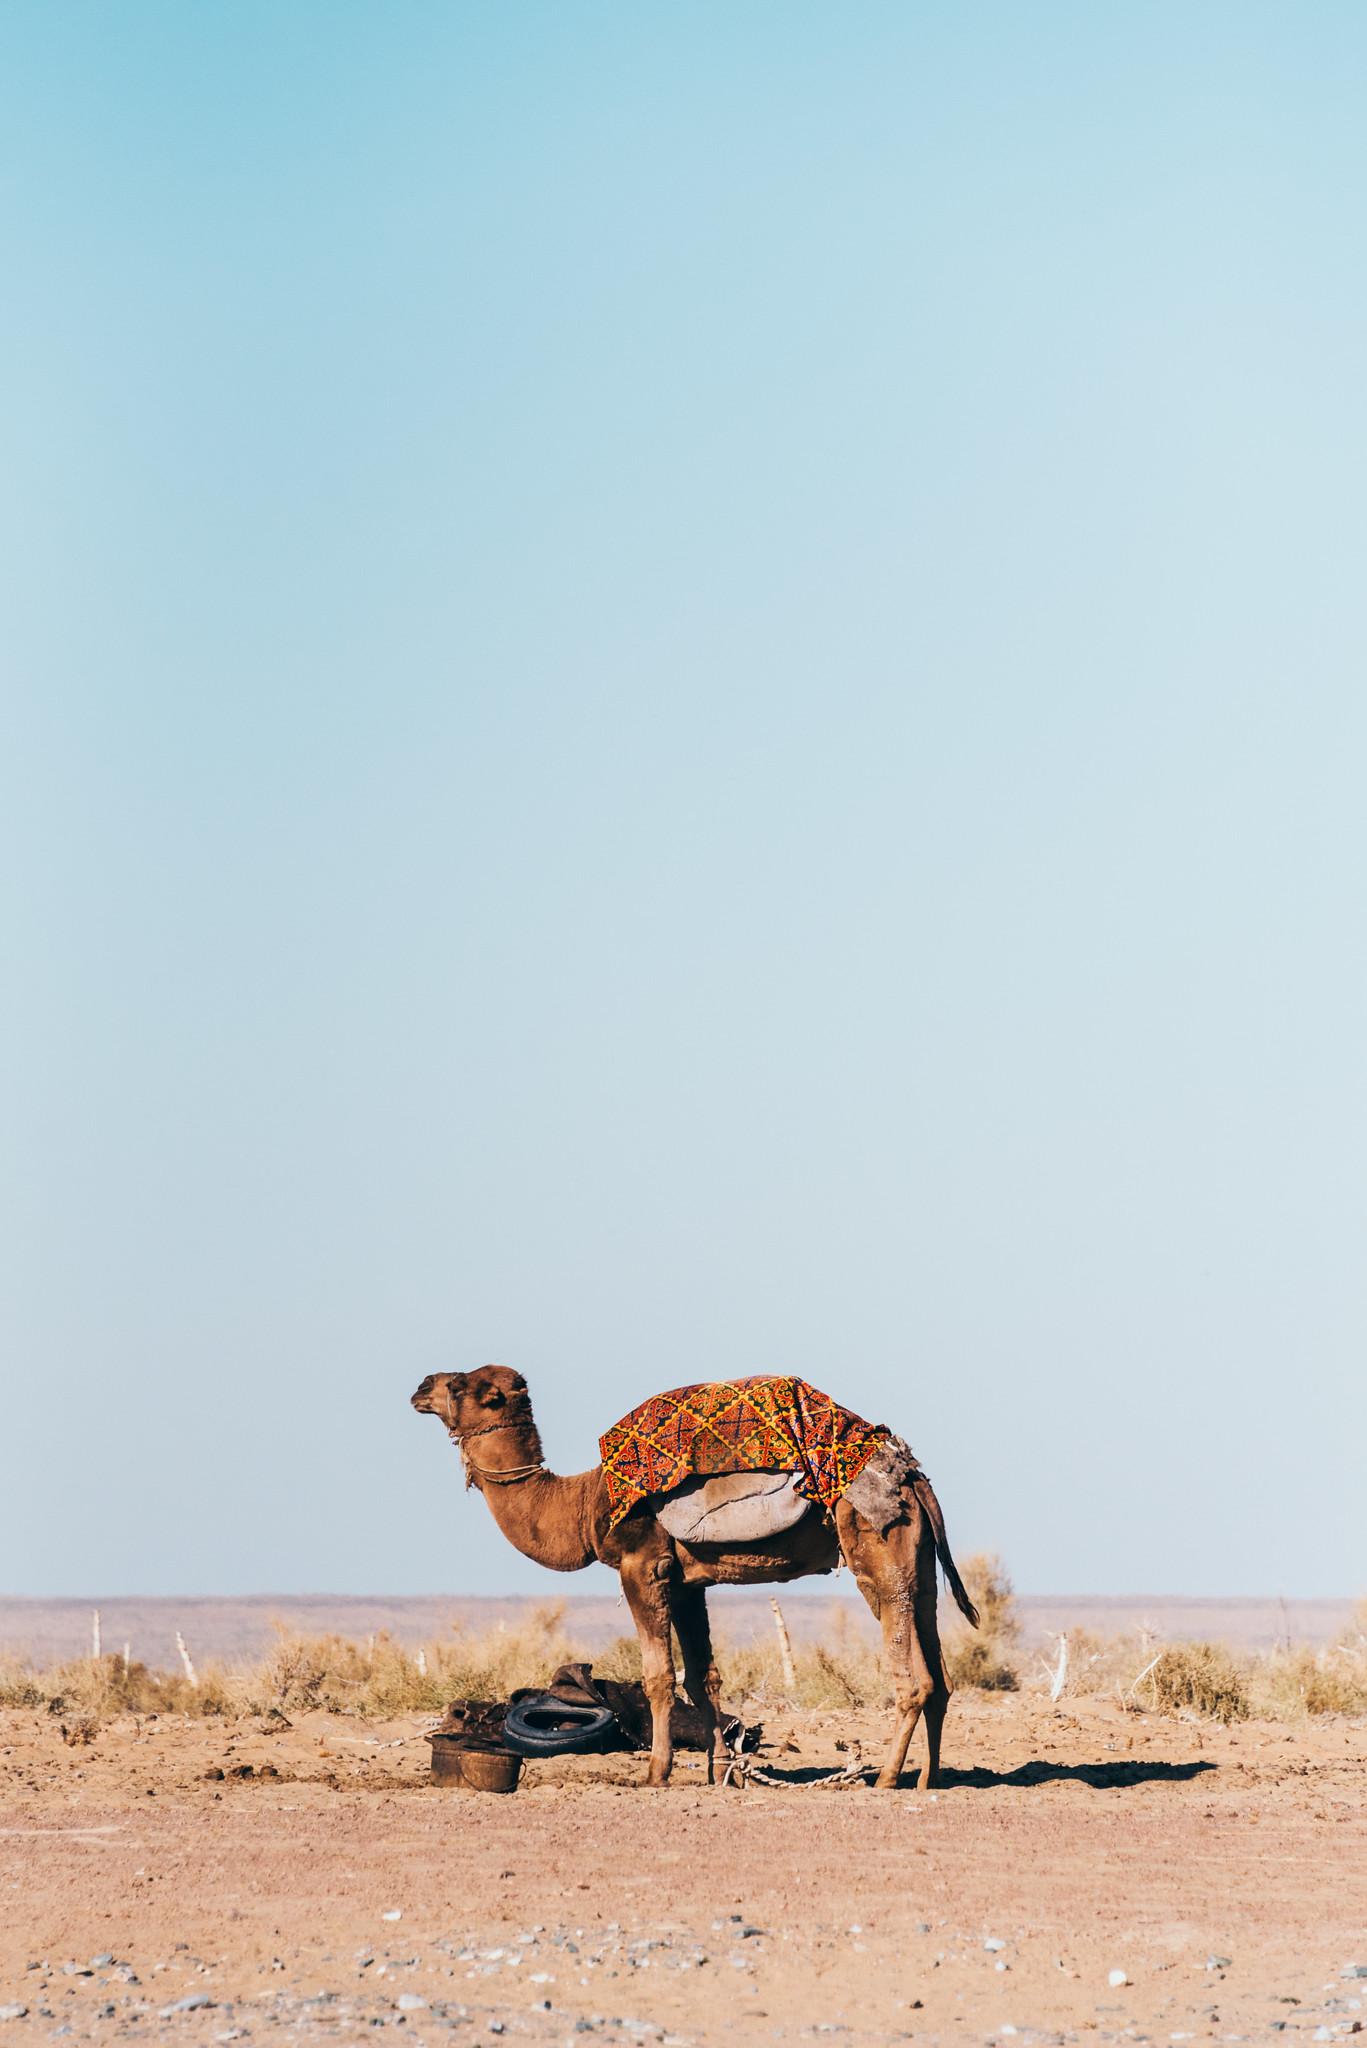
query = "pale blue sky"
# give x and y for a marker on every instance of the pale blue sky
(684, 693)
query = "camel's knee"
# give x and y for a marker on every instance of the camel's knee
(913, 1693)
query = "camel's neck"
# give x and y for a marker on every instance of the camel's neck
(545, 1517)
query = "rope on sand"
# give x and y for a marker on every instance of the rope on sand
(742, 1771)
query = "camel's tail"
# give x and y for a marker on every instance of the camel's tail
(925, 1493)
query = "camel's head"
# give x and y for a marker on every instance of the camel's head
(467, 1402)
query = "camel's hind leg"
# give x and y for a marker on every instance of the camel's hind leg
(888, 1569)
(701, 1675)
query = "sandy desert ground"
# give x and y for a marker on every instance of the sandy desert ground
(322, 1888)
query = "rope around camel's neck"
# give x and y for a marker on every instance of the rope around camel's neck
(494, 1475)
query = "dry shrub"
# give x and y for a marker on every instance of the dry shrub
(621, 1660)
(983, 1661)
(382, 1677)
(849, 1676)
(98, 1688)
(1103, 1663)
(20, 1686)
(1303, 1681)
(1197, 1678)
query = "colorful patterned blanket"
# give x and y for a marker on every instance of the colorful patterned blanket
(765, 1424)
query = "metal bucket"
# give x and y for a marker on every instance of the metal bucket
(473, 1770)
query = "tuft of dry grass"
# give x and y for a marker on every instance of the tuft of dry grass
(1211, 1680)
(98, 1688)
(984, 1660)
(375, 1679)
(849, 1675)
(1303, 1681)
(381, 1678)
(1197, 1678)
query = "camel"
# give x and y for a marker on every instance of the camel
(563, 1524)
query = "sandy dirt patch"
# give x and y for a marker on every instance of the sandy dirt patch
(1224, 1873)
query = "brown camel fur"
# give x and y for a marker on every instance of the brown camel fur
(563, 1524)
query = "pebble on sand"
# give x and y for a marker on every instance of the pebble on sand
(13, 2012)
(1115, 1978)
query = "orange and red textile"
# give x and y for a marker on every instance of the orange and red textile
(765, 1424)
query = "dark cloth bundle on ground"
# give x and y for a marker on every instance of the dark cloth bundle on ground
(765, 1424)
(478, 1724)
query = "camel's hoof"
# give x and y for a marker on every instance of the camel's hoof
(887, 1781)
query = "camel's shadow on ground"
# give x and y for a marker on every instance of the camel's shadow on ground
(1126, 1771)
(1102, 1777)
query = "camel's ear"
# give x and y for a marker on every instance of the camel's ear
(488, 1393)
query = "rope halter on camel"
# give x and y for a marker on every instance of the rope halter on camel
(508, 1477)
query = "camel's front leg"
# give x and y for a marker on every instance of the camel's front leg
(645, 1583)
(701, 1675)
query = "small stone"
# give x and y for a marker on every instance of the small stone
(410, 2001)
(196, 2002)
(495, 2026)
(1115, 1978)
(994, 1942)
(13, 2012)
(1354, 1970)
(1219, 1962)
(100, 1962)
(394, 1913)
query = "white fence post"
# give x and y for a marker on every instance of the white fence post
(95, 1633)
(785, 1647)
(190, 1672)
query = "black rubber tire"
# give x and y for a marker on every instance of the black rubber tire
(535, 1727)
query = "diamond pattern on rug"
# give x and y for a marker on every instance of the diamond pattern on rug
(765, 1424)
